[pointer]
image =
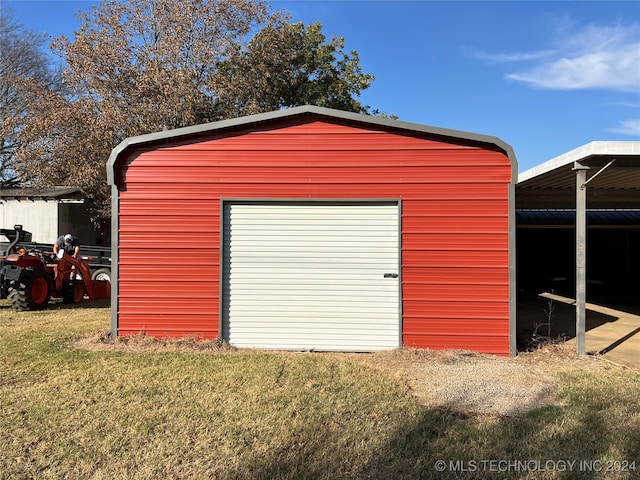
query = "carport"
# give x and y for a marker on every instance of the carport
(578, 224)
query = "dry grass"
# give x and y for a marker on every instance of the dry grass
(466, 382)
(76, 404)
(105, 342)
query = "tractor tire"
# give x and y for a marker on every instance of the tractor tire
(72, 292)
(102, 274)
(32, 293)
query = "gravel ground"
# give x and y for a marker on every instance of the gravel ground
(476, 384)
(481, 385)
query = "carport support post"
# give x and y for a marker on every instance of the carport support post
(581, 254)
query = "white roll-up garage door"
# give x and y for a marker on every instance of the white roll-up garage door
(314, 276)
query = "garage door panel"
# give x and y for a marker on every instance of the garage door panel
(329, 286)
(302, 308)
(296, 251)
(311, 339)
(311, 295)
(270, 326)
(250, 319)
(312, 276)
(282, 276)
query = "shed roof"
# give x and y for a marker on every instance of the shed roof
(452, 136)
(47, 193)
(552, 184)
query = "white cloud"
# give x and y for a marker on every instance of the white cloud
(512, 57)
(628, 127)
(604, 57)
(615, 70)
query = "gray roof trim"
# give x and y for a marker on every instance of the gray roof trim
(581, 153)
(140, 140)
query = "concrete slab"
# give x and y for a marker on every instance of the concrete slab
(610, 332)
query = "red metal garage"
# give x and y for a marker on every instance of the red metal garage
(312, 228)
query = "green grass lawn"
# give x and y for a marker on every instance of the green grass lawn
(67, 412)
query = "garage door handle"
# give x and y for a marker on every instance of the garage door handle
(390, 275)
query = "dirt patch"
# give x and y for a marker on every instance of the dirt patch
(466, 382)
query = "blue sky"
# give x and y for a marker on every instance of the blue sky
(545, 77)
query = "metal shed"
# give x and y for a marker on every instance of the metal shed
(49, 212)
(318, 229)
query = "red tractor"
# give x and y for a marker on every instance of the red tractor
(30, 278)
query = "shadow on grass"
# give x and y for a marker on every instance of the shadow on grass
(58, 304)
(442, 444)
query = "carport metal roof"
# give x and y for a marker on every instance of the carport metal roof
(603, 175)
(566, 217)
(552, 184)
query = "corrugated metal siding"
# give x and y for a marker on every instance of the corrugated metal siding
(168, 263)
(455, 223)
(312, 276)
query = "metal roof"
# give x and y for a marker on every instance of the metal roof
(553, 183)
(452, 136)
(47, 193)
(598, 175)
(568, 217)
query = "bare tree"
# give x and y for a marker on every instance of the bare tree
(138, 66)
(22, 58)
